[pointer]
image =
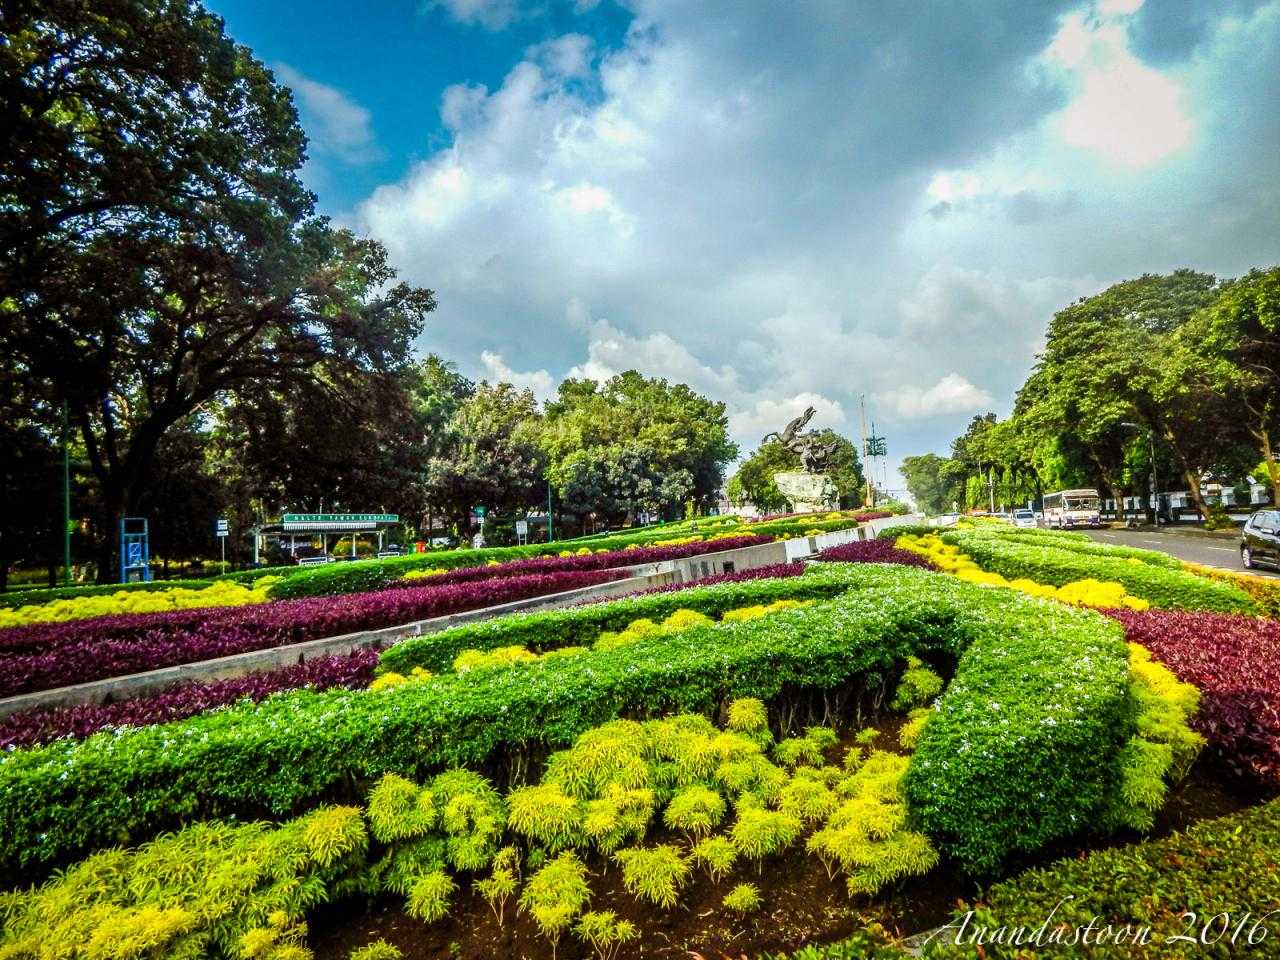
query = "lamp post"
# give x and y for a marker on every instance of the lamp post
(66, 496)
(550, 534)
(1155, 483)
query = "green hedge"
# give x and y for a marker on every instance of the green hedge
(1045, 563)
(870, 943)
(548, 630)
(1227, 865)
(294, 749)
(22, 598)
(1067, 541)
(363, 575)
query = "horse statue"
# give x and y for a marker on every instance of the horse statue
(814, 454)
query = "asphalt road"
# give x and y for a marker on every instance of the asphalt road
(1198, 548)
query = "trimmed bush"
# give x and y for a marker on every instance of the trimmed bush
(322, 581)
(1049, 564)
(53, 655)
(29, 727)
(1235, 662)
(1060, 676)
(22, 598)
(1224, 866)
(874, 551)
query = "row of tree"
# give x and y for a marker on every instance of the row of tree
(177, 317)
(1183, 366)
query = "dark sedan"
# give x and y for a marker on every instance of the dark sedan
(1260, 540)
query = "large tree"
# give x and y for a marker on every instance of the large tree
(1230, 352)
(491, 456)
(663, 444)
(160, 252)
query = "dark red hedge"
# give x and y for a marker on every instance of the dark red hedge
(42, 656)
(1235, 661)
(874, 551)
(31, 727)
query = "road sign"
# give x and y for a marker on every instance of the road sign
(340, 518)
(223, 528)
(478, 511)
(135, 553)
(522, 528)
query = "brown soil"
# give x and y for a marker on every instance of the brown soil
(800, 904)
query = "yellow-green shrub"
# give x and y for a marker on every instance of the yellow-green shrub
(222, 593)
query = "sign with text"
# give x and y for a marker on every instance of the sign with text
(223, 528)
(522, 528)
(340, 518)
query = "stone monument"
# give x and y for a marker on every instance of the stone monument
(811, 490)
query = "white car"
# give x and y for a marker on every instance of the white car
(1024, 518)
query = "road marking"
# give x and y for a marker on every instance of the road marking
(1223, 549)
(1160, 542)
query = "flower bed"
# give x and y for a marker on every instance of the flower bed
(22, 598)
(30, 727)
(1047, 756)
(1223, 872)
(874, 551)
(1042, 561)
(1235, 661)
(772, 571)
(629, 556)
(222, 594)
(55, 655)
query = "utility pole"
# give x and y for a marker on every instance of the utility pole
(550, 533)
(1155, 483)
(862, 402)
(991, 487)
(66, 496)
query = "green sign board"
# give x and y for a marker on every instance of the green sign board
(340, 518)
(478, 511)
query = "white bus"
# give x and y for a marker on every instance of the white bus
(1072, 508)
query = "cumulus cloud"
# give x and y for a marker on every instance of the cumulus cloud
(490, 14)
(336, 125)
(540, 382)
(952, 394)
(746, 199)
(1121, 109)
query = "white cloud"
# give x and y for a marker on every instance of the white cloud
(336, 125)
(950, 395)
(746, 198)
(490, 14)
(1121, 109)
(540, 382)
(566, 56)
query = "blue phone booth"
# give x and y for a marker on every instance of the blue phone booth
(135, 550)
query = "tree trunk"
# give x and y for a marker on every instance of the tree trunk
(1269, 458)
(1189, 474)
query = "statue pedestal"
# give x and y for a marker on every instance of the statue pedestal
(808, 492)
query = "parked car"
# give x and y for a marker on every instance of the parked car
(1024, 518)
(1260, 540)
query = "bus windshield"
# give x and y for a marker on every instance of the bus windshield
(1080, 503)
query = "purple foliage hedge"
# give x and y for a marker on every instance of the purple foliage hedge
(42, 656)
(592, 561)
(773, 571)
(1235, 661)
(30, 727)
(874, 551)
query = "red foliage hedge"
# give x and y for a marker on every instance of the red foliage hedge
(1235, 661)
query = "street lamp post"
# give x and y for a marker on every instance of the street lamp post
(1155, 483)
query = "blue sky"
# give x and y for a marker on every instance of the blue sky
(785, 204)
(393, 60)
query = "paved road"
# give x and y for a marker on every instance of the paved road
(1211, 551)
